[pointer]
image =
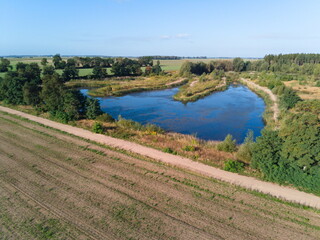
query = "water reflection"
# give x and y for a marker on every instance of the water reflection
(233, 111)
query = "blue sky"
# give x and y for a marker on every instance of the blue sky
(213, 28)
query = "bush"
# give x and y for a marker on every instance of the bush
(233, 166)
(289, 98)
(105, 118)
(245, 150)
(169, 150)
(189, 148)
(228, 145)
(153, 128)
(129, 124)
(97, 128)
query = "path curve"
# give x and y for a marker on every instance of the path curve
(273, 97)
(282, 192)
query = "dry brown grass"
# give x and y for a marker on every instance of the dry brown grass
(204, 151)
(307, 91)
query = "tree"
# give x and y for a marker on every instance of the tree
(69, 72)
(126, 67)
(245, 150)
(185, 69)
(31, 93)
(145, 61)
(58, 62)
(156, 69)
(228, 145)
(52, 93)
(92, 108)
(73, 104)
(99, 72)
(266, 153)
(11, 88)
(48, 70)
(238, 64)
(289, 98)
(301, 136)
(44, 62)
(4, 65)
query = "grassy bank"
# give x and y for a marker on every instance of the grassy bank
(268, 113)
(197, 89)
(122, 86)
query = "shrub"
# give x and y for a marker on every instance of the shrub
(105, 118)
(233, 166)
(289, 98)
(153, 128)
(245, 150)
(129, 124)
(189, 148)
(97, 128)
(228, 145)
(169, 150)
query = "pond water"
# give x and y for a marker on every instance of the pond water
(233, 111)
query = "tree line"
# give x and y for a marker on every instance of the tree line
(47, 93)
(118, 66)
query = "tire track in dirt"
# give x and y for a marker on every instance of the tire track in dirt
(201, 234)
(64, 216)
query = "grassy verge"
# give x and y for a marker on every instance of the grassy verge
(268, 113)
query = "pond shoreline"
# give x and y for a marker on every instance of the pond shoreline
(208, 117)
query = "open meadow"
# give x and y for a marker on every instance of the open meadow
(56, 186)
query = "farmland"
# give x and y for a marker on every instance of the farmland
(56, 186)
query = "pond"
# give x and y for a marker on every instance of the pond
(233, 111)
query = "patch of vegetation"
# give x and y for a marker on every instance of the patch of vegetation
(169, 150)
(233, 166)
(189, 148)
(228, 145)
(97, 128)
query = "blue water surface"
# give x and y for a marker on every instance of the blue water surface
(233, 111)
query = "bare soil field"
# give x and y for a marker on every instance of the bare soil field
(57, 186)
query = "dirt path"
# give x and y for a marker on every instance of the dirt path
(275, 107)
(193, 83)
(180, 80)
(243, 181)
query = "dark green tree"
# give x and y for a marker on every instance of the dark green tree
(44, 62)
(73, 104)
(238, 64)
(99, 73)
(92, 108)
(31, 93)
(4, 65)
(52, 93)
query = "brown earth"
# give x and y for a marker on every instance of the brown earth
(251, 183)
(57, 186)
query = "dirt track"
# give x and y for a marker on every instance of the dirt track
(57, 186)
(243, 181)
